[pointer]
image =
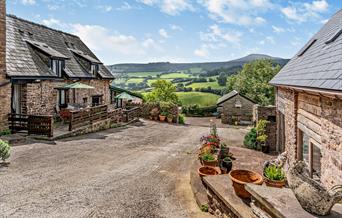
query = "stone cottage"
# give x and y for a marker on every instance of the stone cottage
(234, 107)
(40, 63)
(309, 104)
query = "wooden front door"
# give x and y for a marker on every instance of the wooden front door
(16, 98)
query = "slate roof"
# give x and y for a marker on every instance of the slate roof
(226, 97)
(320, 66)
(24, 38)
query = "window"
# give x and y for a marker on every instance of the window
(334, 37)
(94, 68)
(309, 151)
(62, 101)
(85, 100)
(306, 47)
(96, 100)
(57, 67)
(238, 104)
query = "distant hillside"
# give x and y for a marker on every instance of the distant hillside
(173, 67)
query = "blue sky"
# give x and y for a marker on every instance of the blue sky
(126, 31)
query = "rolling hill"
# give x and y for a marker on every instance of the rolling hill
(174, 67)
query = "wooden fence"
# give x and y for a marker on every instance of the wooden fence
(33, 124)
(131, 114)
(87, 116)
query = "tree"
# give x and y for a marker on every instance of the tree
(163, 91)
(222, 79)
(253, 81)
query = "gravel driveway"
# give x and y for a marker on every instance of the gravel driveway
(137, 171)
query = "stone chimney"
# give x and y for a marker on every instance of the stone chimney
(5, 86)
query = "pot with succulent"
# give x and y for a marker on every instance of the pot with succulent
(209, 159)
(169, 118)
(162, 116)
(274, 176)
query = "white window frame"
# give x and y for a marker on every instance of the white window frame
(57, 66)
(94, 68)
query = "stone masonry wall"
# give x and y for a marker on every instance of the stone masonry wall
(229, 110)
(5, 86)
(41, 97)
(319, 117)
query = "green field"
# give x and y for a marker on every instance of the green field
(150, 81)
(143, 74)
(200, 98)
(135, 80)
(213, 85)
(174, 75)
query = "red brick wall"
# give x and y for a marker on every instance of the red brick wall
(319, 117)
(5, 87)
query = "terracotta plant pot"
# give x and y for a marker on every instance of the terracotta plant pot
(242, 177)
(273, 183)
(169, 119)
(207, 171)
(213, 163)
(162, 118)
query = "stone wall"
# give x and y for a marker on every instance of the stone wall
(267, 113)
(5, 86)
(230, 113)
(41, 97)
(320, 118)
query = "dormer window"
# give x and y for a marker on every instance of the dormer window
(94, 68)
(57, 66)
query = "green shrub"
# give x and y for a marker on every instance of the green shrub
(208, 157)
(250, 139)
(4, 150)
(275, 173)
(5, 132)
(181, 119)
(204, 208)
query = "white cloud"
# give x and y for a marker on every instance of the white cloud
(152, 44)
(51, 22)
(163, 33)
(278, 29)
(99, 38)
(302, 12)
(270, 39)
(217, 34)
(240, 12)
(170, 7)
(124, 7)
(28, 2)
(201, 52)
(176, 27)
(105, 8)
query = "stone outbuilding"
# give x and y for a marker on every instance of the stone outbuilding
(235, 108)
(309, 104)
(40, 63)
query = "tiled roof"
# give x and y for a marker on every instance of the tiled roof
(319, 65)
(24, 38)
(226, 97)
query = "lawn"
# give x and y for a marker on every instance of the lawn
(174, 75)
(200, 98)
(213, 85)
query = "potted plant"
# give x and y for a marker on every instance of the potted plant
(162, 116)
(224, 151)
(169, 118)
(226, 165)
(262, 141)
(207, 171)
(208, 159)
(274, 176)
(262, 137)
